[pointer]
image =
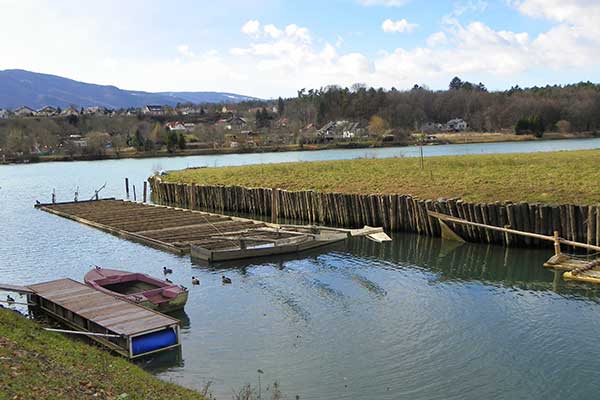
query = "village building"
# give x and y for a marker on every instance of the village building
(153, 110)
(24, 111)
(3, 113)
(69, 111)
(175, 126)
(94, 111)
(233, 123)
(456, 125)
(46, 111)
(340, 130)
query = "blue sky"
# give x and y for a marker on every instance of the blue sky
(269, 48)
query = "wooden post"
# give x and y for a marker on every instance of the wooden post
(127, 187)
(274, 205)
(53, 196)
(145, 190)
(134, 197)
(556, 243)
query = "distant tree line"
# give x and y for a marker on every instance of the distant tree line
(546, 107)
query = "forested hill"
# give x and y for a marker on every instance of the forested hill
(577, 105)
(34, 90)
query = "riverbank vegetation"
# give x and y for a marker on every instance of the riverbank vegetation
(554, 177)
(36, 364)
(327, 116)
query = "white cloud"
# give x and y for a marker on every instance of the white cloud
(272, 31)
(252, 27)
(184, 50)
(400, 26)
(436, 39)
(385, 3)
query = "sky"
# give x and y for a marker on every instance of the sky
(271, 48)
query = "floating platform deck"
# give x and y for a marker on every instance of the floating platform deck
(166, 228)
(576, 269)
(128, 329)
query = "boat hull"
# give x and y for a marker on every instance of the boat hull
(138, 288)
(200, 253)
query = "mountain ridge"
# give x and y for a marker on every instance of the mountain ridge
(20, 87)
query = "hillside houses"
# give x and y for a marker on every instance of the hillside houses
(341, 130)
(69, 111)
(154, 110)
(454, 125)
(47, 111)
(24, 111)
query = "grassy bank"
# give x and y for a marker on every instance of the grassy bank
(36, 364)
(558, 177)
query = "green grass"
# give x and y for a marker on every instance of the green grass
(557, 177)
(36, 364)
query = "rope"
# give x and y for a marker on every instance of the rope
(587, 267)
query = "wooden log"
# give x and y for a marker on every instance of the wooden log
(591, 225)
(145, 190)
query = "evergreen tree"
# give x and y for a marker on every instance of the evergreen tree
(456, 83)
(181, 142)
(280, 106)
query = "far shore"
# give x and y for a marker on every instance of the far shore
(442, 138)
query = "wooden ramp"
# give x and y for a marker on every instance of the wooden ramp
(122, 326)
(165, 228)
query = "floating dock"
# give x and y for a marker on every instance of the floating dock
(166, 228)
(124, 327)
(207, 236)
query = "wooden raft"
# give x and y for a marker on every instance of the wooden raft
(165, 228)
(111, 321)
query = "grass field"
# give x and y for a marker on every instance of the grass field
(35, 364)
(558, 177)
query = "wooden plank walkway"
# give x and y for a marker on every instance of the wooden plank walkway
(166, 228)
(86, 309)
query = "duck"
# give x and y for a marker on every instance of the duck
(167, 270)
(226, 279)
(9, 299)
(195, 281)
(168, 280)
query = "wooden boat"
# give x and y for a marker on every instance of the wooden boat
(271, 241)
(260, 243)
(139, 288)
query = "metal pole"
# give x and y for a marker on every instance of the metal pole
(134, 196)
(81, 333)
(127, 187)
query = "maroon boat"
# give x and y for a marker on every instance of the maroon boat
(139, 288)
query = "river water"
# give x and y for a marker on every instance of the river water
(417, 318)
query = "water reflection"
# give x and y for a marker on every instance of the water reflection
(452, 261)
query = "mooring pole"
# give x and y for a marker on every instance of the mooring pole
(274, 205)
(134, 196)
(556, 243)
(145, 189)
(127, 187)
(53, 196)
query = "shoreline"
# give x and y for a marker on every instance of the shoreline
(457, 138)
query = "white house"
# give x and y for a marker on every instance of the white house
(24, 111)
(456, 125)
(153, 110)
(69, 111)
(46, 111)
(94, 111)
(3, 113)
(175, 126)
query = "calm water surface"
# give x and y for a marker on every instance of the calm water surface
(414, 319)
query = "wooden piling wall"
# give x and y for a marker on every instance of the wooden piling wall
(394, 212)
